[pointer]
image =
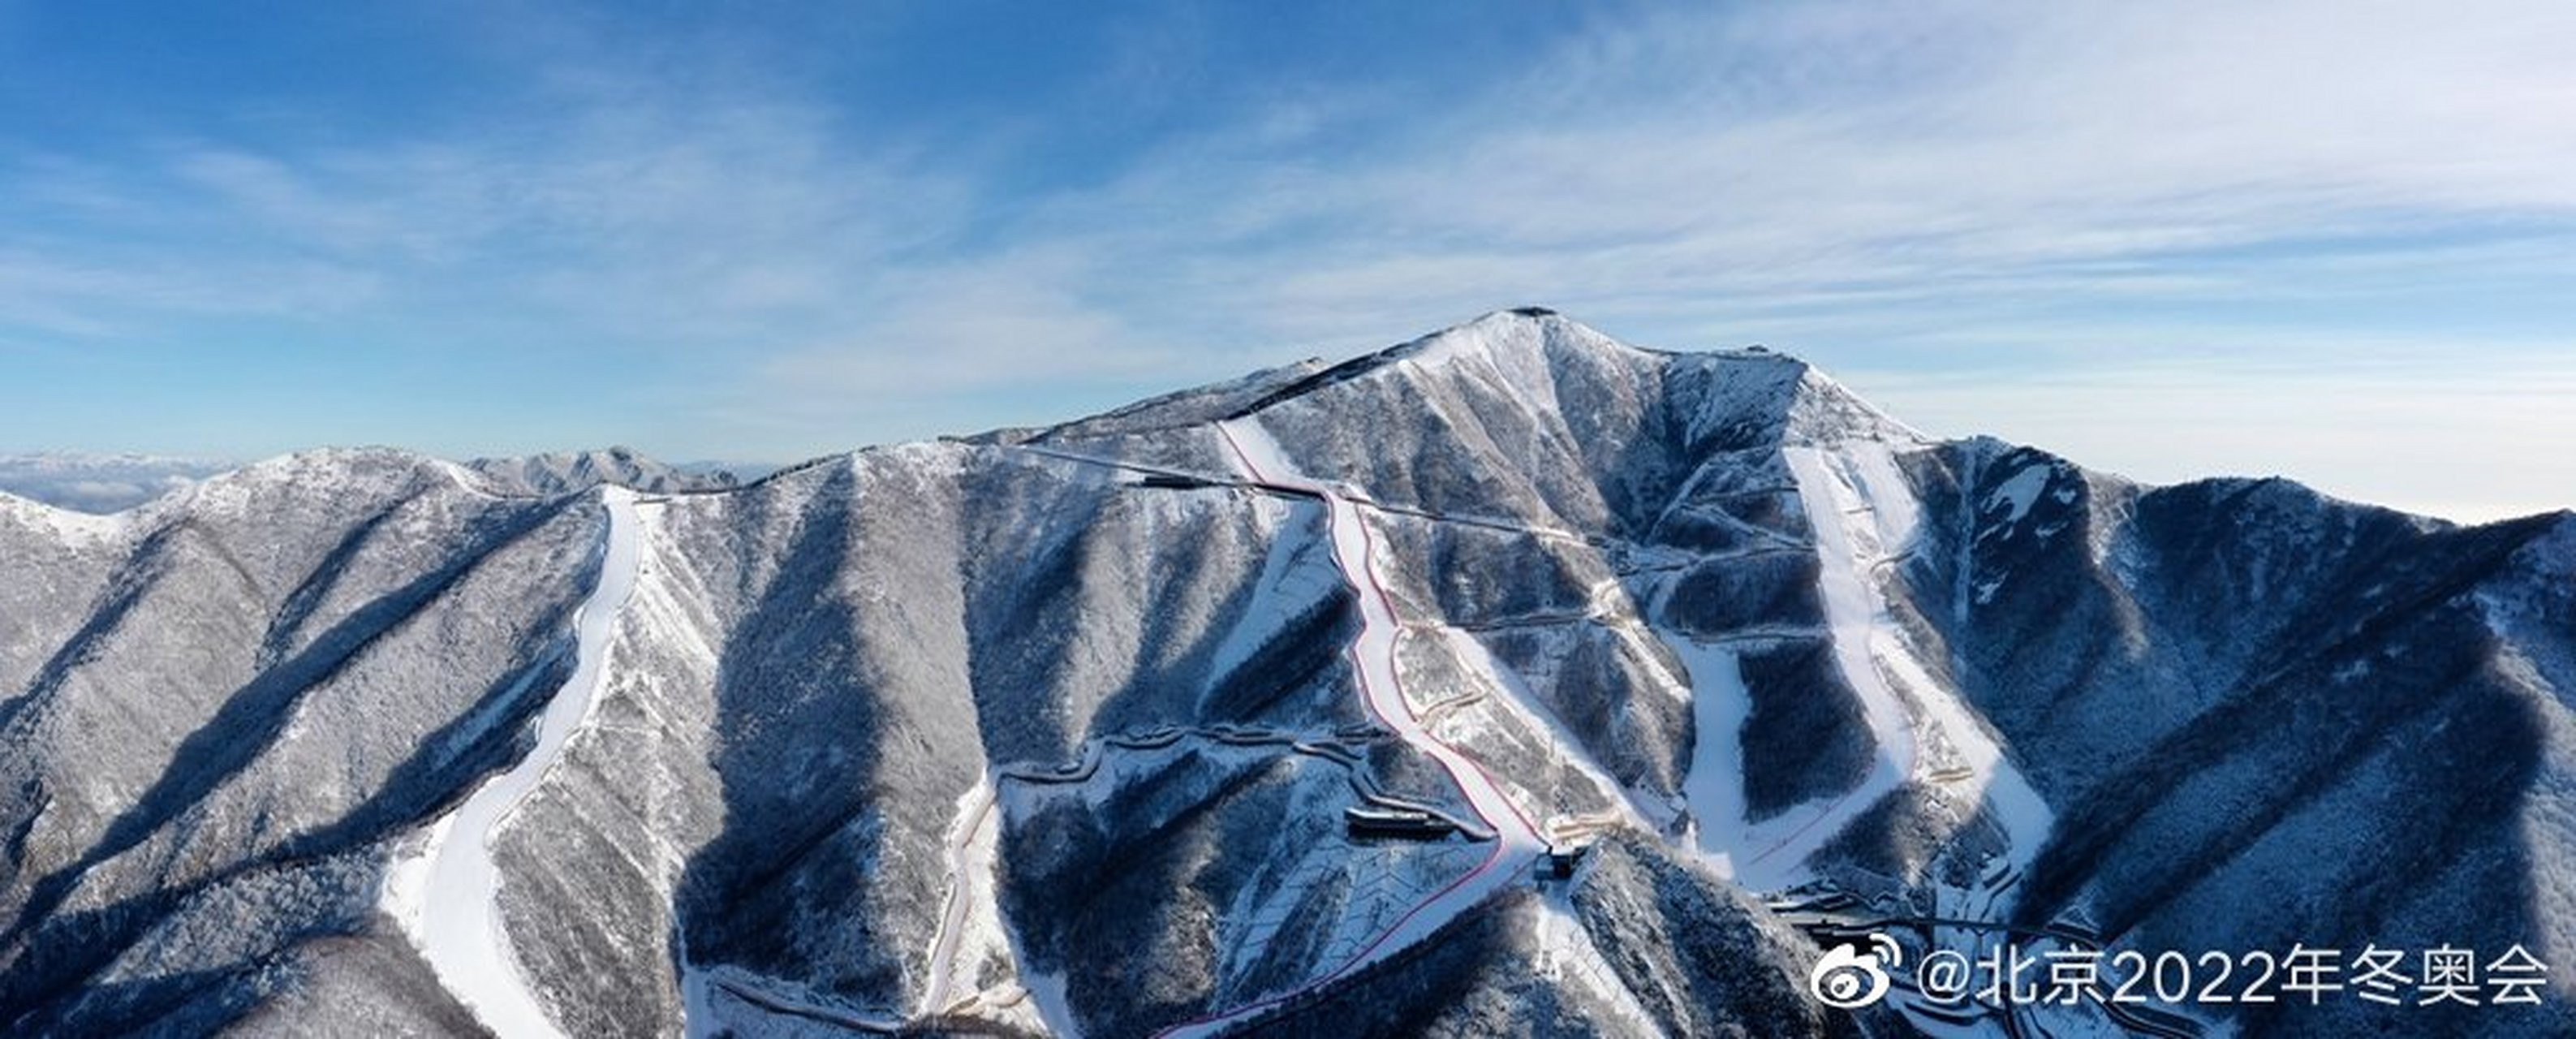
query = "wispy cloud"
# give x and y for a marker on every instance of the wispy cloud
(2469, 442)
(1874, 144)
(1896, 188)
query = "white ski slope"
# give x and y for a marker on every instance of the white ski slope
(459, 927)
(1290, 582)
(1864, 515)
(1373, 654)
(1854, 620)
(1714, 786)
(971, 848)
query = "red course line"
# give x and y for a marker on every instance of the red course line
(1359, 666)
(1368, 569)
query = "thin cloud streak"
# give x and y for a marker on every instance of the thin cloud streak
(2015, 189)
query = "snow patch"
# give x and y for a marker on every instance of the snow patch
(1853, 619)
(1287, 587)
(405, 891)
(2021, 491)
(1047, 992)
(1567, 952)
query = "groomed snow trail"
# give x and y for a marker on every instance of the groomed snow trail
(1373, 654)
(459, 929)
(1853, 619)
(969, 855)
(1714, 786)
(1864, 515)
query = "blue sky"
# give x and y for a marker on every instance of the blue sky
(2335, 240)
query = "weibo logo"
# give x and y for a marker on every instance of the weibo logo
(1848, 979)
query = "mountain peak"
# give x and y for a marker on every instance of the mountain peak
(567, 472)
(1534, 350)
(1516, 329)
(1534, 354)
(1516, 341)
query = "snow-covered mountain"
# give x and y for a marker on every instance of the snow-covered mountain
(106, 484)
(564, 472)
(1258, 709)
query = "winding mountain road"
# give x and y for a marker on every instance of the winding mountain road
(1373, 656)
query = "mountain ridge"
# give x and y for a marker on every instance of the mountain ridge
(568, 472)
(1057, 735)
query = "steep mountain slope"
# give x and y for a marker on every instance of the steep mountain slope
(1055, 731)
(226, 707)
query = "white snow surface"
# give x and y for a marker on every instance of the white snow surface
(1055, 1008)
(2021, 491)
(967, 917)
(448, 898)
(1567, 951)
(1714, 787)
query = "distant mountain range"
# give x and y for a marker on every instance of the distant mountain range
(105, 483)
(1509, 681)
(100, 483)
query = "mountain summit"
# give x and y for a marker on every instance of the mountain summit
(565, 472)
(1511, 680)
